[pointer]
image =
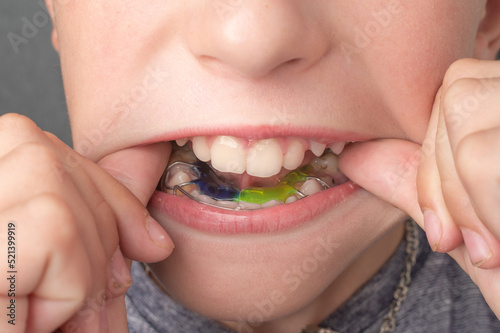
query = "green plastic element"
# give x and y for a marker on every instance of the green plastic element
(294, 177)
(280, 192)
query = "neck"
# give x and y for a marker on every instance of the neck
(358, 273)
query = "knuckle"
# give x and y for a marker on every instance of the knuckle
(462, 87)
(460, 69)
(462, 97)
(16, 122)
(43, 160)
(38, 152)
(58, 220)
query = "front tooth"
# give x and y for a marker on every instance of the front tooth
(294, 155)
(337, 147)
(228, 155)
(317, 148)
(181, 142)
(265, 158)
(200, 148)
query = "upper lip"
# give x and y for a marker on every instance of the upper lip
(323, 135)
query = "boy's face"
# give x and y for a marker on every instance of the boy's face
(332, 71)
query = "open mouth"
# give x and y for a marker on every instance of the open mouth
(237, 174)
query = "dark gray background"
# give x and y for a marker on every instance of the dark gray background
(30, 77)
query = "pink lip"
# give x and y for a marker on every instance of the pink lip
(325, 135)
(275, 219)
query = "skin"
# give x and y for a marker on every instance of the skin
(216, 64)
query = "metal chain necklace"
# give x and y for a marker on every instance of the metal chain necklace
(389, 322)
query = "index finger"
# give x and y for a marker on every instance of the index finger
(471, 96)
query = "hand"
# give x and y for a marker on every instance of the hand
(450, 185)
(73, 224)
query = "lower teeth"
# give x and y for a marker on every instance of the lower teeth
(186, 176)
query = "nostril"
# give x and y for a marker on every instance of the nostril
(292, 63)
(257, 38)
(252, 67)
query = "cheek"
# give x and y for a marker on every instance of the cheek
(106, 60)
(409, 57)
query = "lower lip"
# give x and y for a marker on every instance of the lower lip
(274, 219)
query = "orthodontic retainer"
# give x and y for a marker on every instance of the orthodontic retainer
(211, 185)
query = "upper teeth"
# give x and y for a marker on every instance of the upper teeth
(261, 158)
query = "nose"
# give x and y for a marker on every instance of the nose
(254, 37)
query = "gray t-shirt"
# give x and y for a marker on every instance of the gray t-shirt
(441, 298)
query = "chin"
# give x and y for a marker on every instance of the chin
(256, 275)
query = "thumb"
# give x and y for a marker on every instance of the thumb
(116, 315)
(138, 168)
(388, 169)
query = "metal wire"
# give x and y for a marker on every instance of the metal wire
(196, 169)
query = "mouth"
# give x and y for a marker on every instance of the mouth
(233, 185)
(231, 173)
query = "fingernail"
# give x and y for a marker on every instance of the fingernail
(479, 251)
(433, 229)
(120, 272)
(157, 234)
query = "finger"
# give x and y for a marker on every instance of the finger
(105, 311)
(116, 314)
(100, 209)
(21, 180)
(486, 280)
(16, 129)
(480, 100)
(55, 281)
(24, 184)
(139, 168)
(477, 166)
(54, 177)
(91, 317)
(470, 68)
(141, 237)
(471, 105)
(442, 233)
(468, 87)
(388, 169)
(483, 248)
